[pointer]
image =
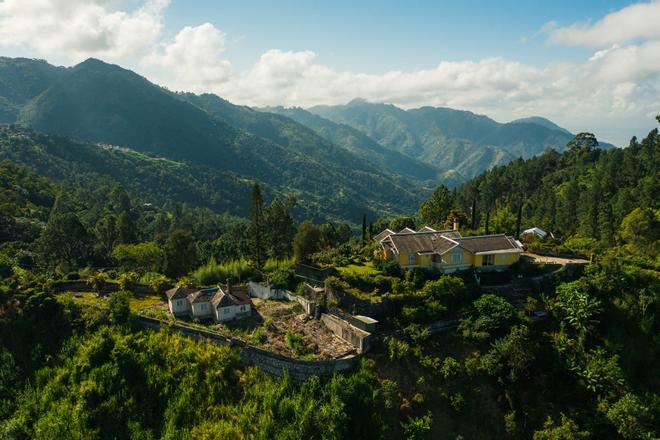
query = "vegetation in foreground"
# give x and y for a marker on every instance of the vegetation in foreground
(74, 371)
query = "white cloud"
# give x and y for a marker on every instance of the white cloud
(640, 20)
(613, 92)
(71, 30)
(191, 61)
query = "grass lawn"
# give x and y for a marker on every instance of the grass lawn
(138, 303)
(362, 269)
(143, 301)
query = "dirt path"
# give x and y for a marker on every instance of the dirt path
(555, 260)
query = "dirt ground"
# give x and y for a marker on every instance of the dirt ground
(276, 318)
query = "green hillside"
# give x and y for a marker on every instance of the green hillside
(98, 102)
(362, 145)
(445, 138)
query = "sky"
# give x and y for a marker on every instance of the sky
(587, 65)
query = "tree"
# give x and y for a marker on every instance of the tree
(64, 240)
(256, 234)
(105, 233)
(180, 253)
(567, 429)
(582, 141)
(158, 284)
(631, 417)
(436, 209)
(126, 229)
(641, 227)
(141, 257)
(493, 313)
(576, 307)
(364, 229)
(306, 241)
(279, 227)
(119, 307)
(447, 288)
(416, 428)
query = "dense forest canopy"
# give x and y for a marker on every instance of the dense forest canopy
(575, 356)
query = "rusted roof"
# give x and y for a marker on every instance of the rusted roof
(427, 229)
(406, 231)
(488, 243)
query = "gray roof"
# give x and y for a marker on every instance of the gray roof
(237, 295)
(422, 242)
(488, 243)
(203, 295)
(439, 242)
(179, 292)
(383, 234)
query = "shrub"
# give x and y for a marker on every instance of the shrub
(119, 307)
(72, 276)
(214, 273)
(128, 280)
(295, 342)
(417, 427)
(159, 283)
(96, 281)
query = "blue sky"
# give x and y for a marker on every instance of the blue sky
(376, 36)
(587, 65)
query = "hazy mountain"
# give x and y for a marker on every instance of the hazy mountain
(21, 79)
(446, 138)
(99, 102)
(547, 123)
(361, 145)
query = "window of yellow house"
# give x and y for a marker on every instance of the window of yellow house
(412, 258)
(488, 260)
(457, 257)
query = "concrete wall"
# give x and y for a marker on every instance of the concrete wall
(257, 290)
(269, 362)
(358, 338)
(266, 292)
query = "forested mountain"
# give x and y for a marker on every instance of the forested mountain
(153, 179)
(22, 79)
(98, 102)
(451, 140)
(362, 145)
(583, 196)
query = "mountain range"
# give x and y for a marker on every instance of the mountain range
(339, 161)
(454, 141)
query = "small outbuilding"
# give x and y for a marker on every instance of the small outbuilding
(534, 231)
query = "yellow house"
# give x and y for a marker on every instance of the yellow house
(447, 251)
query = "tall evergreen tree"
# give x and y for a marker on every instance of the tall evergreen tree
(279, 229)
(364, 229)
(435, 210)
(256, 227)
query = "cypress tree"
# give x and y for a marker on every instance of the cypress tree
(256, 227)
(364, 229)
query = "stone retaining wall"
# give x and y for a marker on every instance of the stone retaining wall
(269, 362)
